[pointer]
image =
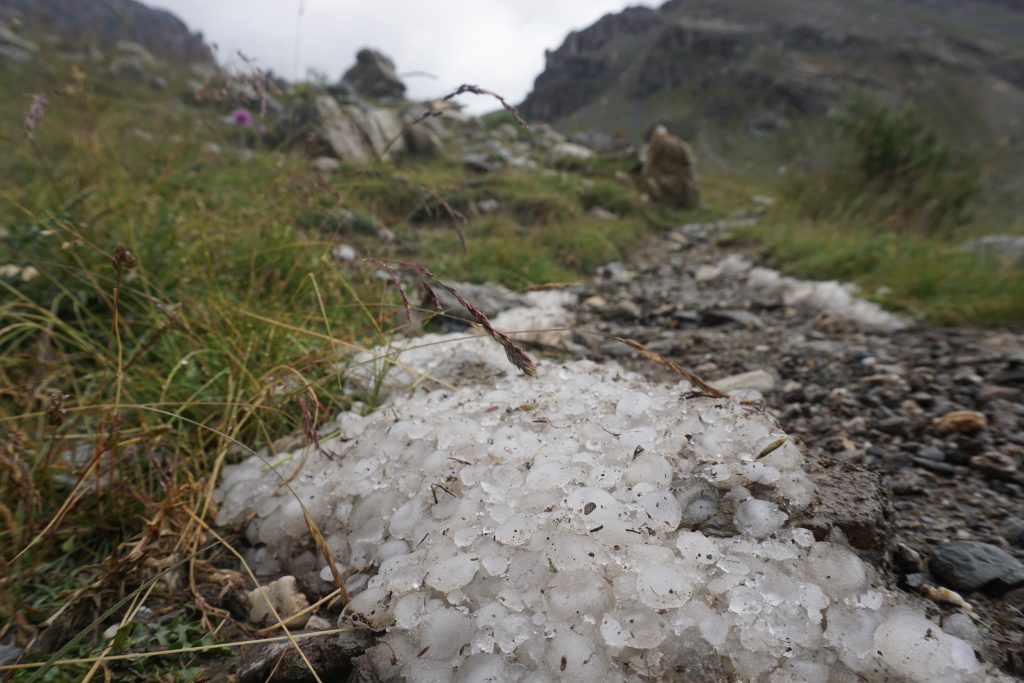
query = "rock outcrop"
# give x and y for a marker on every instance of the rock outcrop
(105, 23)
(374, 76)
(669, 168)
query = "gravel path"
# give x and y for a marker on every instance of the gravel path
(931, 418)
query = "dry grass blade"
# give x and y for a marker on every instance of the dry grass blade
(439, 106)
(248, 570)
(550, 286)
(685, 374)
(515, 353)
(393, 279)
(771, 448)
(321, 545)
(458, 219)
(178, 650)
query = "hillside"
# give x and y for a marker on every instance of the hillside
(748, 81)
(105, 23)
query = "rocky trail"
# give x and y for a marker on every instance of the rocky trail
(916, 431)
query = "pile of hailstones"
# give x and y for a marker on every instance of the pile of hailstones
(586, 525)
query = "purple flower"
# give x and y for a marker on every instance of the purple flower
(241, 117)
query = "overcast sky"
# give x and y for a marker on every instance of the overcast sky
(496, 44)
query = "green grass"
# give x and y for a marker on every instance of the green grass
(918, 274)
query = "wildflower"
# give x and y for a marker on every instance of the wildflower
(29, 273)
(35, 114)
(241, 117)
(9, 271)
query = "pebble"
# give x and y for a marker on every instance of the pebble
(995, 392)
(995, 464)
(760, 380)
(971, 565)
(963, 421)
(344, 252)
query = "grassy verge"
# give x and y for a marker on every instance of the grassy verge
(913, 273)
(889, 207)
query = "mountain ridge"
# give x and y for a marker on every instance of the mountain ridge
(104, 23)
(736, 75)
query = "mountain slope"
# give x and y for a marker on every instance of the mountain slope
(107, 21)
(743, 78)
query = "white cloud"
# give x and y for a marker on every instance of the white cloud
(496, 44)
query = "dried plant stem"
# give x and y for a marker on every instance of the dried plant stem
(439, 106)
(685, 374)
(515, 353)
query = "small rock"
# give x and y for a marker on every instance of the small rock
(934, 465)
(594, 303)
(894, 425)
(9, 653)
(569, 150)
(995, 464)
(325, 164)
(994, 392)
(907, 559)
(744, 318)
(603, 214)
(931, 453)
(1013, 531)
(284, 596)
(971, 565)
(963, 421)
(344, 252)
(760, 380)
(489, 205)
(707, 273)
(627, 309)
(911, 407)
(616, 272)
(318, 623)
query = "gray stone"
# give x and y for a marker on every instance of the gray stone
(488, 205)
(344, 252)
(355, 133)
(852, 499)
(423, 141)
(9, 653)
(325, 164)
(972, 565)
(568, 150)
(720, 317)
(760, 380)
(374, 75)
(604, 143)
(602, 214)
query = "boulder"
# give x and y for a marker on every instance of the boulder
(374, 76)
(355, 133)
(669, 169)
